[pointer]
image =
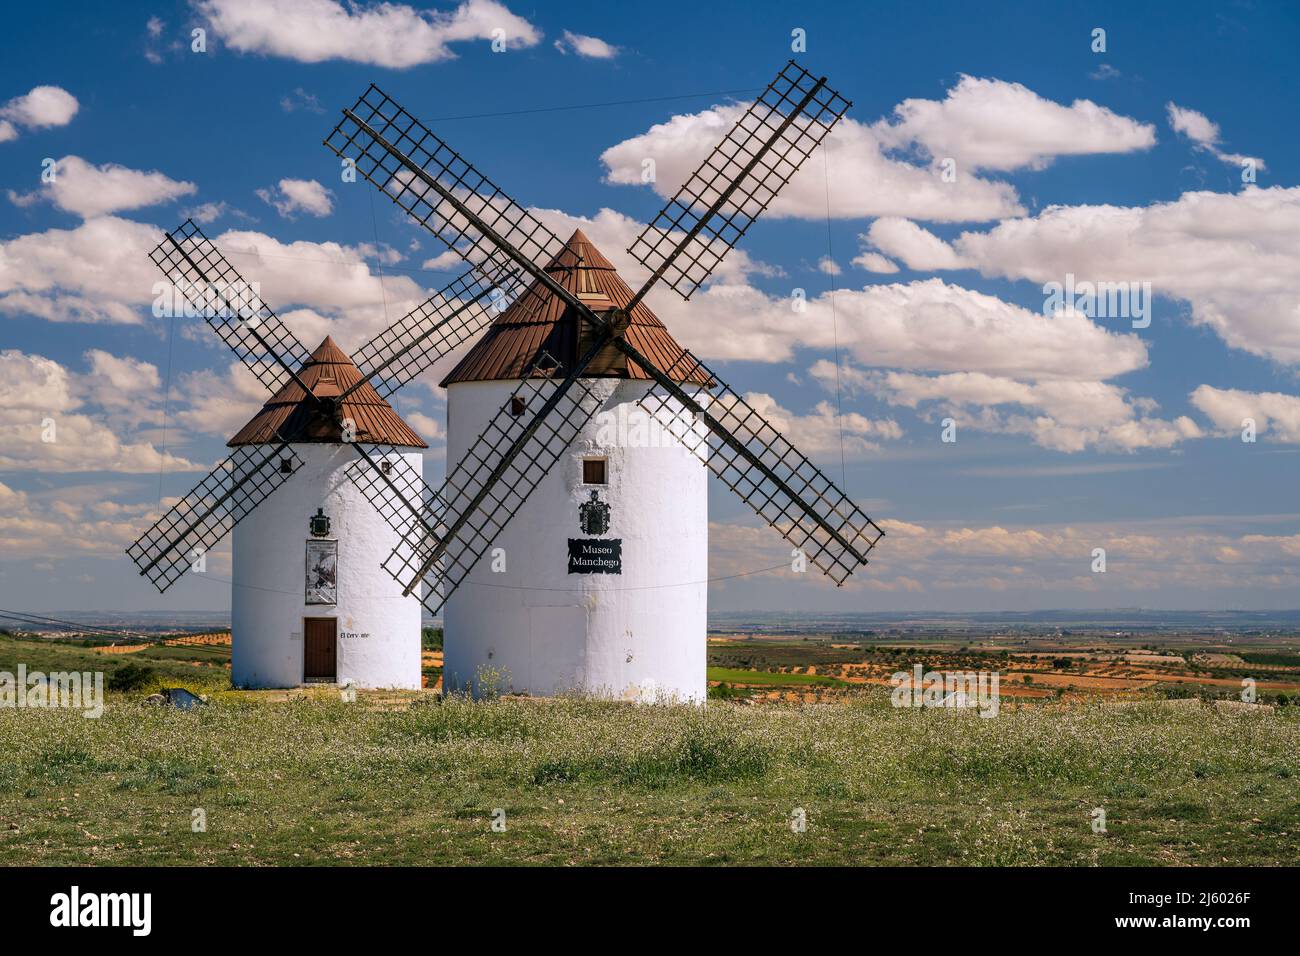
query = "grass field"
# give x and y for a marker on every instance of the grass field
(304, 778)
(320, 781)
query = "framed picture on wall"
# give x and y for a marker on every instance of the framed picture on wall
(322, 571)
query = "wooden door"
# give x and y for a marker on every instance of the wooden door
(320, 649)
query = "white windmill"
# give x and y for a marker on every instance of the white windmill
(579, 534)
(310, 600)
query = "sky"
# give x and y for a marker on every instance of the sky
(986, 157)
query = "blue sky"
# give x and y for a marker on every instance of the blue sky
(1074, 432)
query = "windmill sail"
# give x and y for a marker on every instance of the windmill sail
(682, 246)
(231, 305)
(438, 188)
(714, 208)
(446, 320)
(441, 550)
(769, 474)
(196, 523)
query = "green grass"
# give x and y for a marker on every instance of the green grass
(173, 666)
(736, 675)
(319, 781)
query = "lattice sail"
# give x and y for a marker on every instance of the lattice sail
(408, 162)
(196, 523)
(779, 483)
(738, 180)
(430, 550)
(447, 319)
(202, 277)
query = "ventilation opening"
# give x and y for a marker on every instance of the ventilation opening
(594, 471)
(385, 467)
(286, 465)
(517, 405)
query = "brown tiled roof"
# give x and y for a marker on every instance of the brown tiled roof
(291, 416)
(538, 321)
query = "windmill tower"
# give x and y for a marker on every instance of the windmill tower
(346, 621)
(565, 552)
(310, 600)
(599, 582)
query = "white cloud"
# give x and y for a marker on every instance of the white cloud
(117, 381)
(1275, 415)
(220, 402)
(923, 326)
(829, 266)
(1066, 416)
(820, 433)
(864, 182)
(1205, 135)
(875, 262)
(1033, 559)
(87, 190)
(206, 212)
(101, 272)
(42, 107)
(38, 394)
(98, 272)
(919, 249)
(389, 34)
(591, 47)
(293, 196)
(993, 124)
(1235, 257)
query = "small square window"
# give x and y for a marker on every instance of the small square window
(593, 471)
(517, 405)
(385, 467)
(286, 465)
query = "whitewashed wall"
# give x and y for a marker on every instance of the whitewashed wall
(378, 629)
(637, 635)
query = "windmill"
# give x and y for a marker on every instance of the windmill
(620, 607)
(309, 598)
(566, 344)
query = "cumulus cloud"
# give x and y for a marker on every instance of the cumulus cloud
(98, 272)
(219, 403)
(875, 262)
(919, 249)
(863, 181)
(1204, 134)
(88, 190)
(40, 108)
(57, 421)
(1234, 257)
(101, 272)
(591, 47)
(1276, 415)
(932, 557)
(996, 125)
(389, 34)
(824, 430)
(1065, 416)
(293, 196)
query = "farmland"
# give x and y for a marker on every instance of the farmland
(306, 778)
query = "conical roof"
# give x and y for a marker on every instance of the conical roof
(539, 321)
(292, 416)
